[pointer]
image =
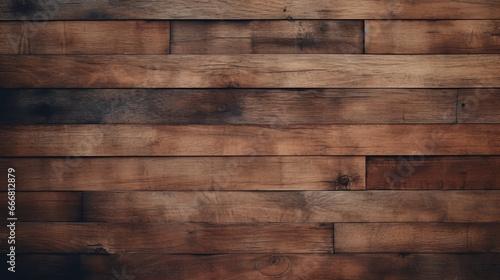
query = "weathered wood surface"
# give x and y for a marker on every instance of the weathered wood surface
(478, 106)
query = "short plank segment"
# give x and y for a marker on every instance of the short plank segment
(189, 173)
(85, 37)
(432, 37)
(421, 238)
(172, 238)
(261, 37)
(250, 71)
(293, 207)
(433, 173)
(275, 107)
(478, 105)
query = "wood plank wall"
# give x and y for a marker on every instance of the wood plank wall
(297, 139)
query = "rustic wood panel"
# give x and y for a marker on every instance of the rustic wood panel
(286, 37)
(275, 107)
(478, 106)
(433, 173)
(239, 9)
(199, 140)
(436, 37)
(296, 207)
(189, 173)
(86, 37)
(422, 238)
(250, 71)
(172, 238)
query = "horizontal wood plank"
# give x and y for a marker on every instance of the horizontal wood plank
(250, 71)
(478, 106)
(205, 140)
(189, 173)
(86, 37)
(421, 238)
(432, 37)
(261, 37)
(433, 173)
(293, 207)
(239, 9)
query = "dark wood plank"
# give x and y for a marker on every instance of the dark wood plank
(261, 37)
(273, 107)
(432, 37)
(478, 106)
(417, 237)
(259, 9)
(189, 173)
(433, 173)
(172, 238)
(293, 207)
(86, 37)
(250, 71)
(204, 140)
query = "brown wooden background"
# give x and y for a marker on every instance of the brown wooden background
(295, 139)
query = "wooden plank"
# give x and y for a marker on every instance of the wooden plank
(86, 37)
(421, 238)
(432, 37)
(172, 238)
(478, 106)
(261, 37)
(44, 206)
(259, 9)
(250, 71)
(293, 207)
(260, 266)
(189, 173)
(204, 140)
(275, 107)
(433, 173)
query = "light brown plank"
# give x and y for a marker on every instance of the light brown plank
(275, 107)
(261, 37)
(189, 173)
(250, 71)
(204, 140)
(171, 238)
(259, 9)
(433, 173)
(432, 37)
(421, 238)
(296, 207)
(478, 106)
(86, 37)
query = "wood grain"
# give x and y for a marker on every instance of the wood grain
(478, 106)
(275, 107)
(239, 9)
(433, 173)
(86, 37)
(205, 140)
(261, 37)
(293, 207)
(421, 238)
(250, 71)
(172, 238)
(189, 173)
(432, 37)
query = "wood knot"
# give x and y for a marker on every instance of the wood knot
(344, 183)
(273, 265)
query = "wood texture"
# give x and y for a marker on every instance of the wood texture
(478, 106)
(239, 9)
(86, 37)
(204, 140)
(433, 173)
(189, 173)
(432, 37)
(250, 71)
(422, 238)
(106, 238)
(293, 207)
(227, 106)
(261, 37)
